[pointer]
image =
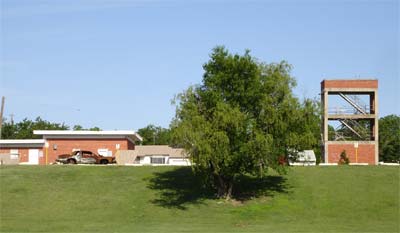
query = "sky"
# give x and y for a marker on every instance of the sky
(117, 64)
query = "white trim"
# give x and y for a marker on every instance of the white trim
(84, 137)
(83, 132)
(389, 164)
(138, 137)
(8, 143)
(86, 133)
(328, 164)
(131, 140)
(355, 164)
(22, 141)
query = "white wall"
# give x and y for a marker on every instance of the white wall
(179, 161)
(146, 160)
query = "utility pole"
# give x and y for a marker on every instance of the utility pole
(1, 113)
(12, 118)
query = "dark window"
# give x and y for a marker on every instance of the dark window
(87, 154)
(157, 160)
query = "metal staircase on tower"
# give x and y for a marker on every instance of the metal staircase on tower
(352, 125)
(356, 102)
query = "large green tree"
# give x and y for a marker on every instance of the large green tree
(242, 119)
(389, 138)
(24, 129)
(155, 135)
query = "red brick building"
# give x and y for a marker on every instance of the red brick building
(56, 142)
(28, 151)
(359, 119)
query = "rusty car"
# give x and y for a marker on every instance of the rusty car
(84, 157)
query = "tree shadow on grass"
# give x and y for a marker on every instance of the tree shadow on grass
(249, 187)
(178, 187)
(181, 186)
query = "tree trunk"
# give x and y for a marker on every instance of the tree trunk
(229, 190)
(224, 187)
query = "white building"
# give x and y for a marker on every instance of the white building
(153, 155)
(304, 158)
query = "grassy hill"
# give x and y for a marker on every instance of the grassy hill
(170, 199)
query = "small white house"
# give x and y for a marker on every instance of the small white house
(304, 158)
(153, 155)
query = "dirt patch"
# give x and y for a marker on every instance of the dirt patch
(236, 202)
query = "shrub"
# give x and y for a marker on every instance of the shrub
(344, 160)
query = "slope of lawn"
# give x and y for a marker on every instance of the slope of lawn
(171, 199)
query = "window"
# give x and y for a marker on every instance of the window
(157, 160)
(14, 154)
(87, 154)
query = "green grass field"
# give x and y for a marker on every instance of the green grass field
(170, 199)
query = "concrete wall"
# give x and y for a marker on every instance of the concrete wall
(125, 157)
(6, 159)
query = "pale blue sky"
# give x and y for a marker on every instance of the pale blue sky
(117, 64)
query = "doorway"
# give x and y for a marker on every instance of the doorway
(33, 156)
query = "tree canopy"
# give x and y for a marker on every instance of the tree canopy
(155, 135)
(389, 138)
(24, 129)
(242, 119)
(79, 127)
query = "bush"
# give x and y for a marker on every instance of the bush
(344, 160)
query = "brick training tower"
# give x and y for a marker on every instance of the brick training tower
(357, 125)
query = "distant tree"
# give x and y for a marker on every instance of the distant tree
(155, 135)
(79, 127)
(389, 138)
(331, 133)
(24, 129)
(362, 127)
(242, 119)
(8, 130)
(310, 122)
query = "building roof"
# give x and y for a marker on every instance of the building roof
(87, 133)
(160, 150)
(22, 143)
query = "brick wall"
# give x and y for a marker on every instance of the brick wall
(349, 84)
(131, 146)
(24, 154)
(366, 153)
(65, 146)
